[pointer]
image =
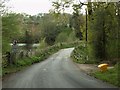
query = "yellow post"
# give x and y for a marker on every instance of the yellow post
(103, 67)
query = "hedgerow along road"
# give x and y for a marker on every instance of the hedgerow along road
(58, 71)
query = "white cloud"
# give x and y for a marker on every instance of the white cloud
(30, 6)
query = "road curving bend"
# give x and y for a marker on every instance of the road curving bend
(58, 71)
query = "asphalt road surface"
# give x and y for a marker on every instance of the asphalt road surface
(58, 71)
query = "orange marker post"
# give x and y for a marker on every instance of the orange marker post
(103, 67)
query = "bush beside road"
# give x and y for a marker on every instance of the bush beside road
(40, 55)
(82, 57)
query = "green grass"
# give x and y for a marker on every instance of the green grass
(11, 69)
(41, 55)
(79, 55)
(20, 64)
(23, 63)
(110, 76)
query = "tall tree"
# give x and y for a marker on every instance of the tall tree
(10, 29)
(62, 5)
(103, 27)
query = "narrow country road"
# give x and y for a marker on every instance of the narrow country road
(58, 71)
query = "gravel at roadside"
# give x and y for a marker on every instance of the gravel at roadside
(87, 68)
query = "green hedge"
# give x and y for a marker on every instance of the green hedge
(40, 55)
(81, 54)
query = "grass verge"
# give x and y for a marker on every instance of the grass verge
(111, 75)
(20, 64)
(40, 55)
(82, 55)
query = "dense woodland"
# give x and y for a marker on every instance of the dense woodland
(102, 28)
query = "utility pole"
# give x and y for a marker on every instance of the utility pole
(86, 25)
(81, 4)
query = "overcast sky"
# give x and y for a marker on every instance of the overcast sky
(31, 7)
